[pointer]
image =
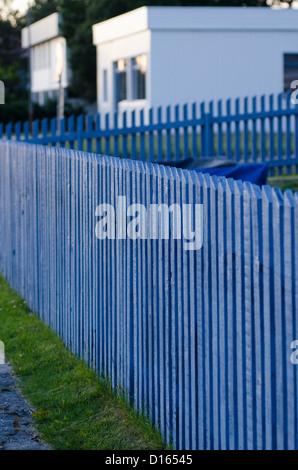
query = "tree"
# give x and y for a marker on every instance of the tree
(78, 18)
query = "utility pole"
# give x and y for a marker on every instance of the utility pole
(30, 104)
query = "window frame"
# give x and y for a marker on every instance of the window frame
(129, 69)
(118, 72)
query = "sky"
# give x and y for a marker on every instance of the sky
(20, 5)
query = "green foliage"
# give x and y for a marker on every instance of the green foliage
(49, 110)
(16, 109)
(13, 70)
(74, 409)
(284, 182)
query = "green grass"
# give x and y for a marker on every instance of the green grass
(74, 409)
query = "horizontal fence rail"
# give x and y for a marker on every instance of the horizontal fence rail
(247, 130)
(200, 340)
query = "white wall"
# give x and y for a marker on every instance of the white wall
(43, 37)
(194, 66)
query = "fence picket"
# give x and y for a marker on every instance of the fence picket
(288, 133)
(228, 130)
(194, 142)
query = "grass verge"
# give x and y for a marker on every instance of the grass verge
(284, 182)
(74, 409)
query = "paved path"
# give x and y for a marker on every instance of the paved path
(16, 425)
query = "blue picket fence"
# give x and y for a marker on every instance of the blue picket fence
(200, 340)
(249, 130)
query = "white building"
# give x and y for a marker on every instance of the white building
(159, 56)
(48, 53)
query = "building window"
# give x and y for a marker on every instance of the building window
(121, 80)
(37, 63)
(47, 55)
(105, 86)
(290, 70)
(139, 69)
